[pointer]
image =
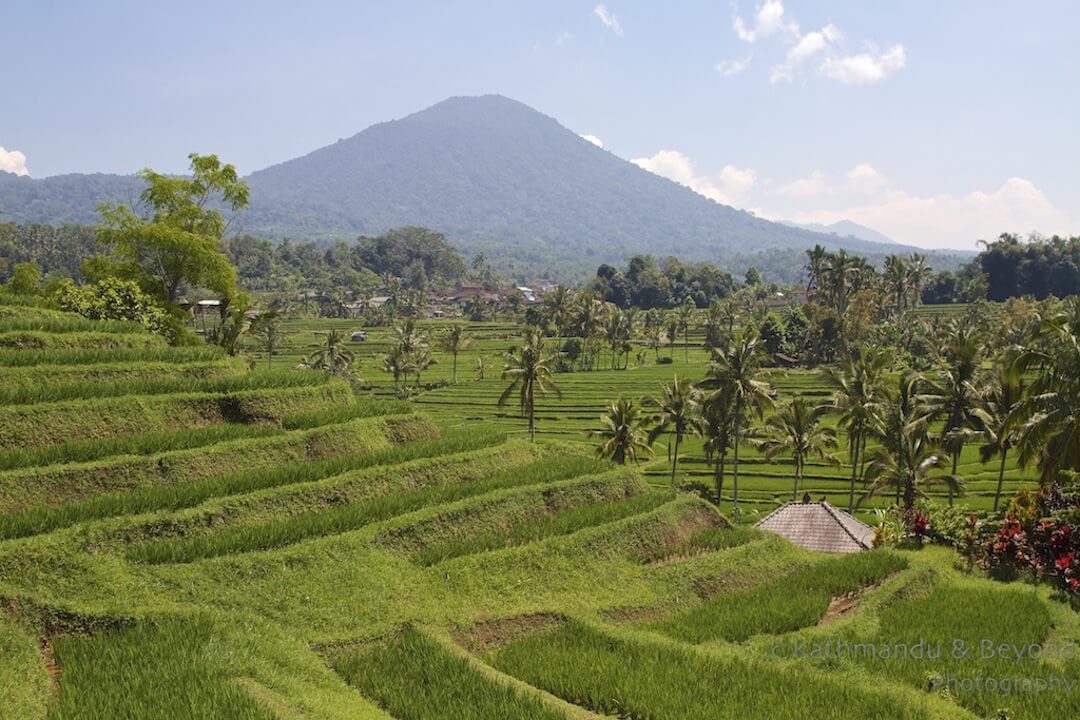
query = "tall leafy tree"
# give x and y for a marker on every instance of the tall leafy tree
(685, 315)
(529, 370)
(858, 395)
(717, 427)
(456, 341)
(266, 329)
(178, 241)
(1051, 434)
(953, 395)
(333, 356)
(736, 370)
(997, 424)
(678, 412)
(624, 432)
(797, 430)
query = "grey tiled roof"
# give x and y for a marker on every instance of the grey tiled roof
(819, 526)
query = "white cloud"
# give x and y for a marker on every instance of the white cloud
(950, 221)
(865, 179)
(823, 48)
(769, 18)
(730, 188)
(564, 37)
(609, 19)
(594, 140)
(809, 186)
(731, 68)
(865, 68)
(13, 161)
(808, 46)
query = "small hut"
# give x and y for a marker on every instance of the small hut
(819, 526)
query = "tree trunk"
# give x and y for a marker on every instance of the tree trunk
(686, 345)
(720, 480)
(453, 370)
(854, 470)
(675, 459)
(1001, 479)
(798, 480)
(735, 470)
(532, 422)
(955, 462)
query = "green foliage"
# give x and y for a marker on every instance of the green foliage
(178, 245)
(25, 280)
(24, 357)
(115, 299)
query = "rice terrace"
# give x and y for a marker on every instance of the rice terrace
(467, 417)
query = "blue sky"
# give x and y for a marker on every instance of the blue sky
(938, 123)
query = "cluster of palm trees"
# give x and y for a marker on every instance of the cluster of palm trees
(409, 356)
(837, 277)
(900, 427)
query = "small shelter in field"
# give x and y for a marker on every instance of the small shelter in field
(819, 526)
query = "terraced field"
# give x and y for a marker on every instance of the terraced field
(205, 542)
(763, 485)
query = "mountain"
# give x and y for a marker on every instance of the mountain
(492, 174)
(846, 229)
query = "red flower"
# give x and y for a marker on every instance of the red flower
(1065, 561)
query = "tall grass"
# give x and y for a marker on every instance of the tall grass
(563, 522)
(343, 518)
(183, 495)
(149, 443)
(84, 339)
(644, 679)
(152, 670)
(361, 408)
(77, 390)
(66, 323)
(415, 678)
(22, 358)
(781, 605)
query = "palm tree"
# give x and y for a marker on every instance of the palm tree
(590, 323)
(266, 329)
(456, 340)
(717, 426)
(624, 432)
(678, 413)
(421, 360)
(529, 370)
(333, 356)
(858, 396)
(797, 429)
(559, 308)
(735, 370)
(398, 365)
(686, 316)
(996, 417)
(1051, 434)
(671, 329)
(954, 396)
(907, 451)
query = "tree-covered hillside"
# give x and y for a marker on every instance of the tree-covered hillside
(489, 173)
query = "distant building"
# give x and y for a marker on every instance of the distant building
(819, 526)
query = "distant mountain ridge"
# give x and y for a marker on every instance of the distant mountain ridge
(845, 228)
(492, 174)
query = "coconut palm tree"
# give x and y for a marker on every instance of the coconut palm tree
(624, 432)
(333, 356)
(685, 315)
(678, 413)
(717, 426)
(456, 341)
(953, 395)
(529, 370)
(797, 429)
(858, 395)
(907, 451)
(559, 309)
(671, 329)
(736, 370)
(1051, 434)
(398, 365)
(266, 329)
(996, 417)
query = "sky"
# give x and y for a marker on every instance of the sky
(936, 123)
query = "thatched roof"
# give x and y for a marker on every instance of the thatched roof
(819, 526)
